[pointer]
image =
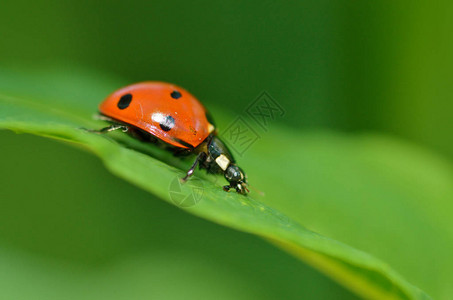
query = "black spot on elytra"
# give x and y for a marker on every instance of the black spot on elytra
(167, 124)
(175, 95)
(124, 102)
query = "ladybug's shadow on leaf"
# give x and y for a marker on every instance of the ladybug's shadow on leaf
(180, 162)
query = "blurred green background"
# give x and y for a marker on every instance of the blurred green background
(67, 227)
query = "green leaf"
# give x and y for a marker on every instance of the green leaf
(319, 180)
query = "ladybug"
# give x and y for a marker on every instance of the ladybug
(167, 115)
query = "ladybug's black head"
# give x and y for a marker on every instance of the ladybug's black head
(221, 161)
(237, 179)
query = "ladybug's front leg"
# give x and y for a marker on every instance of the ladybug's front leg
(227, 188)
(200, 157)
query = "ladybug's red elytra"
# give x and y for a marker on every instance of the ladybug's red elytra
(168, 115)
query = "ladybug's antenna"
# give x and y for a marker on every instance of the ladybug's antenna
(256, 190)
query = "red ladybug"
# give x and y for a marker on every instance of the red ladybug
(168, 115)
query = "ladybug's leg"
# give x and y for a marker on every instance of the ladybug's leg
(112, 127)
(200, 157)
(227, 188)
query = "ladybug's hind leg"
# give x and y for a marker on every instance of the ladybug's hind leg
(112, 127)
(201, 157)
